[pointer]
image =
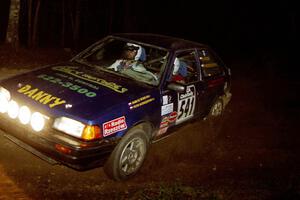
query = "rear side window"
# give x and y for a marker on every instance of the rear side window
(209, 65)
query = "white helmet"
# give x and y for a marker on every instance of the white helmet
(141, 54)
(176, 66)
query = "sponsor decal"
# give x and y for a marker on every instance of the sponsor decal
(166, 109)
(164, 125)
(68, 85)
(114, 126)
(165, 100)
(72, 70)
(41, 96)
(165, 122)
(87, 84)
(140, 102)
(189, 93)
(78, 81)
(186, 104)
(172, 117)
(162, 131)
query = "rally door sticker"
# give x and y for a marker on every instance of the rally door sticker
(186, 104)
(114, 126)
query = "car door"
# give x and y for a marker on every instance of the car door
(180, 95)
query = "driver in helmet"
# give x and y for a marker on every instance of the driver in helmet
(133, 56)
(179, 71)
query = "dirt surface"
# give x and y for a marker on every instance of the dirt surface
(252, 152)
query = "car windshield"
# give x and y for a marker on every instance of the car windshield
(140, 62)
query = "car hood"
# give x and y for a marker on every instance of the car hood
(74, 90)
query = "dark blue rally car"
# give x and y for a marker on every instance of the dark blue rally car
(111, 101)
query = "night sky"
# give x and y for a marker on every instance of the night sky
(247, 27)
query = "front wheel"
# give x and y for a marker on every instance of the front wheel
(128, 156)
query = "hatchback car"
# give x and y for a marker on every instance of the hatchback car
(110, 102)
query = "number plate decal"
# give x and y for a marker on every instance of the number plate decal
(186, 104)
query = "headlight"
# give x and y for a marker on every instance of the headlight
(69, 126)
(77, 129)
(4, 99)
(37, 121)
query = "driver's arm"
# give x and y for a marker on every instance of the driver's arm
(115, 65)
(139, 67)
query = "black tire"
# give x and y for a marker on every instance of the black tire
(216, 109)
(128, 156)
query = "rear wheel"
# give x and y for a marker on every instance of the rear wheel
(215, 120)
(217, 108)
(128, 156)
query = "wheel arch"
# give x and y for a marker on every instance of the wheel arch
(146, 125)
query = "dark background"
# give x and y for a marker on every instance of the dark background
(230, 27)
(252, 152)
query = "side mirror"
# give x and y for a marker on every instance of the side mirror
(176, 87)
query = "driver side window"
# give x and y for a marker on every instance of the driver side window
(185, 68)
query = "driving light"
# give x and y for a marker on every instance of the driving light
(69, 126)
(4, 93)
(13, 109)
(4, 99)
(37, 121)
(24, 115)
(3, 104)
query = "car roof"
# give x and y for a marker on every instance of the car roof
(164, 41)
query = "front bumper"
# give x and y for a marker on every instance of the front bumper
(81, 155)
